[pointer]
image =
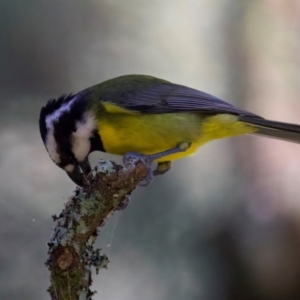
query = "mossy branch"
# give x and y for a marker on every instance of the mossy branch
(71, 252)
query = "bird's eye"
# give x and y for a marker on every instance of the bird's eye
(66, 157)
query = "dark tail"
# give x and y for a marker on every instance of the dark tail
(274, 129)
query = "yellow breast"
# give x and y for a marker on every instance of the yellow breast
(126, 131)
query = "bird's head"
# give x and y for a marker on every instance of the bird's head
(68, 130)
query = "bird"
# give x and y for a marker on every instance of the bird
(141, 116)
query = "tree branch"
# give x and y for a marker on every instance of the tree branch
(71, 252)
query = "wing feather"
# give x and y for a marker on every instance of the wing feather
(150, 95)
(168, 97)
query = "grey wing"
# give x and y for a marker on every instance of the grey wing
(168, 97)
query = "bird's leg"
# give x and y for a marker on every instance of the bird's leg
(149, 159)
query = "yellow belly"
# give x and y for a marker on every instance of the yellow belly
(153, 133)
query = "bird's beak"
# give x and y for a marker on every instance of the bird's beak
(80, 172)
(85, 167)
(76, 175)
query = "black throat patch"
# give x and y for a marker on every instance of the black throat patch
(96, 142)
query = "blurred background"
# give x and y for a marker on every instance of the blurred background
(223, 224)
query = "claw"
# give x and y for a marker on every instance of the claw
(124, 203)
(129, 157)
(147, 180)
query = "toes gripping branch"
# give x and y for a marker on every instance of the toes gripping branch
(131, 157)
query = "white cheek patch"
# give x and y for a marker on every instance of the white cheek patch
(81, 137)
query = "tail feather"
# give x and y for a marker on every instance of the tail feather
(273, 129)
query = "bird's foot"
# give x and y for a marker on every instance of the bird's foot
(162, 167)
(147, 160)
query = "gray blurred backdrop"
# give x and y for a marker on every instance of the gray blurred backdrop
(223, 224)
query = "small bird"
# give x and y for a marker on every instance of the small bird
(144, 117)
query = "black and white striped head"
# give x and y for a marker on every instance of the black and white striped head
(67, 128)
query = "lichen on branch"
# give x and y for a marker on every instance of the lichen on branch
(71, 251)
